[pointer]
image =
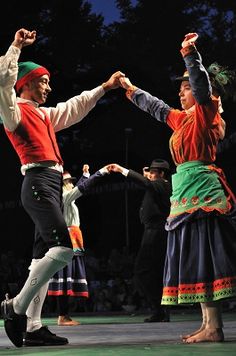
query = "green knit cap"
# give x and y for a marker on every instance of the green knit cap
(28, 71)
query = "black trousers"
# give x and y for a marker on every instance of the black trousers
(149, 265)
(41, 196)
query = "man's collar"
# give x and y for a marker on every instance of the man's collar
(30, 102)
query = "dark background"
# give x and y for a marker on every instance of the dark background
(81, 53)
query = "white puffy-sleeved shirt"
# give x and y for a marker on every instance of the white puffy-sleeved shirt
(70, 209)
(62, 116)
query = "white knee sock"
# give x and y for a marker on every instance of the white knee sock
(54, 260)
(34, 310)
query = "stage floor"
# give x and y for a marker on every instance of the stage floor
(128, 335)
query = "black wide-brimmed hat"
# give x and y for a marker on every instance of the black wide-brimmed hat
(159, 164)
(67, 175)
(184, 77)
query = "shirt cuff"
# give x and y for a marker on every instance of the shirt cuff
(14, 50)
(130, 91)
(87, 175)
(125, 172)
(103, 171)
(188, 50)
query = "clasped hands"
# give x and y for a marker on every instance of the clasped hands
(113, 167)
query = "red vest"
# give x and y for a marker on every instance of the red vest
(34, 138)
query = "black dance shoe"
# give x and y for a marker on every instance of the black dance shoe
(14, 324)
(43, 337)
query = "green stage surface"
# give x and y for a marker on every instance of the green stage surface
(127, 335)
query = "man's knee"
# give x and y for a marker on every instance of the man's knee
(33, 263)
(60, 253)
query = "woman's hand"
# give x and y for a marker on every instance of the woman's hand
(190, 39)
